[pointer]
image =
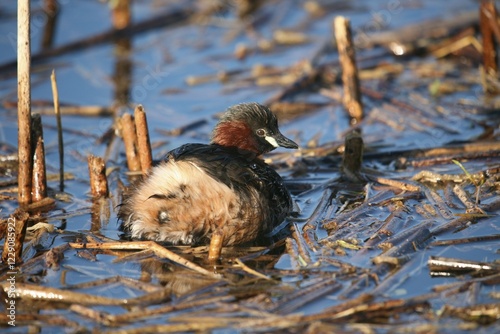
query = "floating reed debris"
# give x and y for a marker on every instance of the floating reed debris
(24, 102)
(60, 142)
(484, 314)
(15, 234)
(347, 58)
(465, 240)
(98, 180)
(42, 205)
(32, 292)
(143, 142)
(409, 39)
(292, 250)
(303, 296)
(303, 249)
(250, 271)
(151, 245)
(39, 181)
(142, 314)
(129, 136)
(286, 37)
(443, 266)
(53, 257)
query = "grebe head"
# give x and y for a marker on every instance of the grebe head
(252, 127)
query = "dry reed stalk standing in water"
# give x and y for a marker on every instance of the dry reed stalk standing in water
(129, 136)
(489, 27)
(488, 17)
(97, 173)
(24, 102)
(60, 141)
(143, 142)
(39, 180)
(347, 58)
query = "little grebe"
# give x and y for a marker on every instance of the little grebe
(223, 187)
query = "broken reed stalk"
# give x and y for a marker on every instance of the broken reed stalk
(347, 58)
(130, 141)
(487, 20)
(24, 102)
(143, 142)
(16, 231)
(97, 173)
(159, 251)
(60, 142)
(39, 180)
(100, 211)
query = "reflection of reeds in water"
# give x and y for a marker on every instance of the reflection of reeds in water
(51, 10)
(122, 76)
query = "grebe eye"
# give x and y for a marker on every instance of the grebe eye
(261, 132)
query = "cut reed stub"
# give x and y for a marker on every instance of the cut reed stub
(98, 180)
(143, 142)
(129, 136)
(39, 176)
(215, 248)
